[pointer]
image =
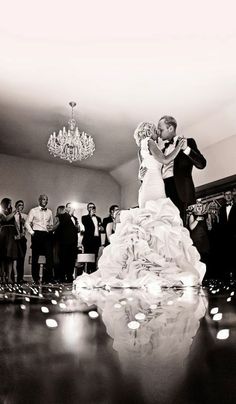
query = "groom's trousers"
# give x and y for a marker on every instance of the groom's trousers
(171, 192)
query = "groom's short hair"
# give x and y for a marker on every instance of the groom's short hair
(169, 120)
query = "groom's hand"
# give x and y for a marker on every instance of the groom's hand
(184, 143)
(142, 172)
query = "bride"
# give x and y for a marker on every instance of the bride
(150, 245)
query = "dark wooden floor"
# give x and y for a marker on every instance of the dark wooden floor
(54, 351)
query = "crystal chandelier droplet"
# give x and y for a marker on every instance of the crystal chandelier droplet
(71, 145)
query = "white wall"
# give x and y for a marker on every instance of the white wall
(220, 164)
(127, 176)
(26, 179)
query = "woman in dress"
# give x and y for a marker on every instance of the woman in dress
(111, 226)
(199, 230)
(150, 244)
(9, 250)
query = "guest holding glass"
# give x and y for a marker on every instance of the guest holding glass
(199, 231)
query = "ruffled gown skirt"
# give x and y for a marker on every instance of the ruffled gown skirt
(150, 247)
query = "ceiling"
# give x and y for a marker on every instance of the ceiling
(122, 62)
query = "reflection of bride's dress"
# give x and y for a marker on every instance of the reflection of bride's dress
(150, 244)
(156, 352)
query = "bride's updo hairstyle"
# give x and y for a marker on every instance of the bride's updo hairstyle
(143, 130)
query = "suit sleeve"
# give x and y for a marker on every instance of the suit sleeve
(195, 156)
(83, 220)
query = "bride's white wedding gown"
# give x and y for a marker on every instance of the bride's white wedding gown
(150, 245)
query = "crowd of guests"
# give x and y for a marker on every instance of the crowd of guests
(212, 229)
(56, 238)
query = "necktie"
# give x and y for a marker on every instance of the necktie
(167, 144)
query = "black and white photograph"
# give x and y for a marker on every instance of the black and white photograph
(118, 202)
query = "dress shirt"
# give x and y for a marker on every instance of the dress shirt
(95, 221)
(38, 219)
(228, 209)
(168, 169)
(72, 219)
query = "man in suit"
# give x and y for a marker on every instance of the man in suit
(67, 234)
(227, 237)
(177, 175)
(109, 219)
(92, 234)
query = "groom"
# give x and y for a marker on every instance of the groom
(177, 175)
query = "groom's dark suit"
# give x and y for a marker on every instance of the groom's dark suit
(180, 188)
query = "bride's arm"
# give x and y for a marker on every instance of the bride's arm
(139, 157)
(142, 170)
(159, 156)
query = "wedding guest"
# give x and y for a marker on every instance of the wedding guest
(20, 219)
(199, 230)
(8, 245)
(111, 226)
(110, 219)
(67, 233)
(92, 234)
(39, 224)
(59, 274)
(227, 237)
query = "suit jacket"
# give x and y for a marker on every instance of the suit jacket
(89, 229)
(227, 225)
(67, 232)
(183, 166)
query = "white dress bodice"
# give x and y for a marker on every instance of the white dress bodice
(152, 187)
(148, 160)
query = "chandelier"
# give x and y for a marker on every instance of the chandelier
(71, 144)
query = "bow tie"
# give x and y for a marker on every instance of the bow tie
(168, 143)
(229, 204)
(43, 208)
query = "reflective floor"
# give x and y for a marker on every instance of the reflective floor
(117, 346)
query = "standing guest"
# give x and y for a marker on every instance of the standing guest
(92, 234)
(8, 245)
(58, 273)
(110, 219)
(39, 224)
(199, 231)
(20, 219)
(212, 224)
(227, 237)
(111, 226)
(67, 235)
